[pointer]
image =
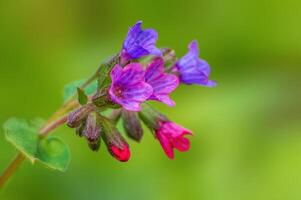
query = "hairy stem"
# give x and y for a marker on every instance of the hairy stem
(11, 169)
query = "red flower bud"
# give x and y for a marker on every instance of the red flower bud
(116, 144)
(122, 154)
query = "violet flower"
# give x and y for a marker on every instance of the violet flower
(163, 84)
(170, 136)
(128, 87)
(192, 69)
(139, 43)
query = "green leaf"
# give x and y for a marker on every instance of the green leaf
(82, 97)
(71, 88)
(103, 79)
(23, 134)
(53, 153)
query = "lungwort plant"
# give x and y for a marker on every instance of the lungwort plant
(119, 90)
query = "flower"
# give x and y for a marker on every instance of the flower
(163, 84)
(192, 69)
(140, 43)
(170, 136)
(128, 87)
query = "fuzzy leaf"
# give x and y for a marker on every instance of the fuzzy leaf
(23, 134)
(53, 153)
(71, 88)
(82, 97)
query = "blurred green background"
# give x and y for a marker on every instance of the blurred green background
(247, 131)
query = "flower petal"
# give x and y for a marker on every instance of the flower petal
(166, 145)
(165, 84)
(140, 42)
(139, 92)
(136, 51)
(116, 73)
(181, 143)
(192, 69)
(162, 83)
(147, 37)
(132, 35)
(163, 98)
(132, 73)
(131, 97)
(154, 69)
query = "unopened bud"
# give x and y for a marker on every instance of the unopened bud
(132, 125)
(76, 117)
(80, 129)
(92, 132)
(116, 144)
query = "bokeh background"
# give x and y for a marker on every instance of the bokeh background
(247, 131)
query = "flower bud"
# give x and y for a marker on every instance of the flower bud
(116, 144)
(76, 117)
(80, 129)
(92, 132)
(132, 125)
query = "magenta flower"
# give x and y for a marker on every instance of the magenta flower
(128, 87)
(192, 69)
(140, 43)
(170, 136)
(163, 84)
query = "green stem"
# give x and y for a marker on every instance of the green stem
(11, 169)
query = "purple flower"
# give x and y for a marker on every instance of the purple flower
(140, 42)
(192, 69)
(163, 84)
(128, 87)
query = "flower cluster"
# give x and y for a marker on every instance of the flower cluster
(142, 73)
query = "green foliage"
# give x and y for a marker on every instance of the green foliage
(23, 134)
(53, 153)
(82, 97)
(71, 88)
(103, 79)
